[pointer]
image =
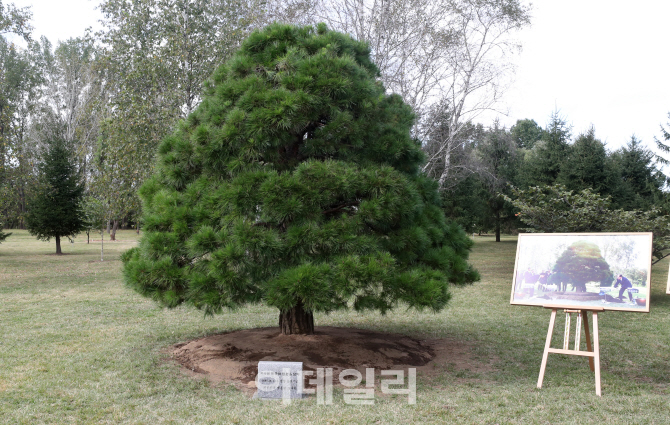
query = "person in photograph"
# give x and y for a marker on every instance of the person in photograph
(625, 284)
(529, 276)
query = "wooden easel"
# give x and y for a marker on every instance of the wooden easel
(593, 353)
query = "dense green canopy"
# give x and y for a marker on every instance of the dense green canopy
(296, 183)
(582, 262)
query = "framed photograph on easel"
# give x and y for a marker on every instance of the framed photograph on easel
(584, 270)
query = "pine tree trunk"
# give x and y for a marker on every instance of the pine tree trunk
(296, 321)
(58, 251)
(23, 207)
(497, 226)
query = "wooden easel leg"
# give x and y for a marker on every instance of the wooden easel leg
(596, 352)
(578, 331)
(546, 348)
(566, 335)
(587, 335)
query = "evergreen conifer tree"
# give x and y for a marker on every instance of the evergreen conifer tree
(544, 162)
(586, 166)
(295, 183)
(55, 212)
(642, 182)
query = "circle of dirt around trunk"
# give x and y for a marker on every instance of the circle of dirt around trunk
(233, 357)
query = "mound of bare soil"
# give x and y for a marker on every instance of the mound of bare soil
(233, 357)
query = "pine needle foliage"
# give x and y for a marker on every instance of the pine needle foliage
(296, 183)
(56, 210)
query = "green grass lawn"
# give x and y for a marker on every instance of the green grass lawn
(76, 346)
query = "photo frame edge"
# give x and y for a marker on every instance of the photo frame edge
(633, 310)
(516, 263)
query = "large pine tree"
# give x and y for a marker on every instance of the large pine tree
(56, 211)
(296, 183)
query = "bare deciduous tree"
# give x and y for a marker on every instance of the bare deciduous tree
(410, 41)
(69, 96)
(448, 59)
(478, 70)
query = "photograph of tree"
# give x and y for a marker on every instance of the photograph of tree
(609, 270)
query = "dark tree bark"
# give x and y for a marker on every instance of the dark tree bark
(296, 321)
(112, 235)
(497, 226)
(58, 251)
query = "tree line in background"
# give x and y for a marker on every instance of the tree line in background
(112, 96)
(501, 166)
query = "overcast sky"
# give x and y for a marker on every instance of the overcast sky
(598, 63)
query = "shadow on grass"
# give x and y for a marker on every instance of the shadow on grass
(659, 300)
(15, 253)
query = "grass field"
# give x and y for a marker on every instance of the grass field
(76, 346)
